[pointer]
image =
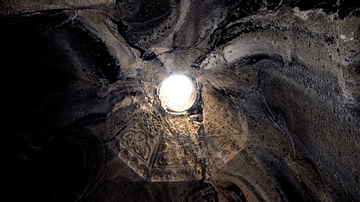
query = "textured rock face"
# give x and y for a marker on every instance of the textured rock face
(276, 117)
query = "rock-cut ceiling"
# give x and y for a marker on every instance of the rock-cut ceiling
(275, 113)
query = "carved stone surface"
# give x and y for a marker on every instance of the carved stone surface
(276, 116)
(161, 146)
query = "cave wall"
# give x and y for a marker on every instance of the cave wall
(276, 119)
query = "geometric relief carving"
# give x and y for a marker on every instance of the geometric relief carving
(137, 141)
(164, 147)
(155, 152)
(226, 132)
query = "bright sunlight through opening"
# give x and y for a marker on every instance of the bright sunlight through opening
(177, 93)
